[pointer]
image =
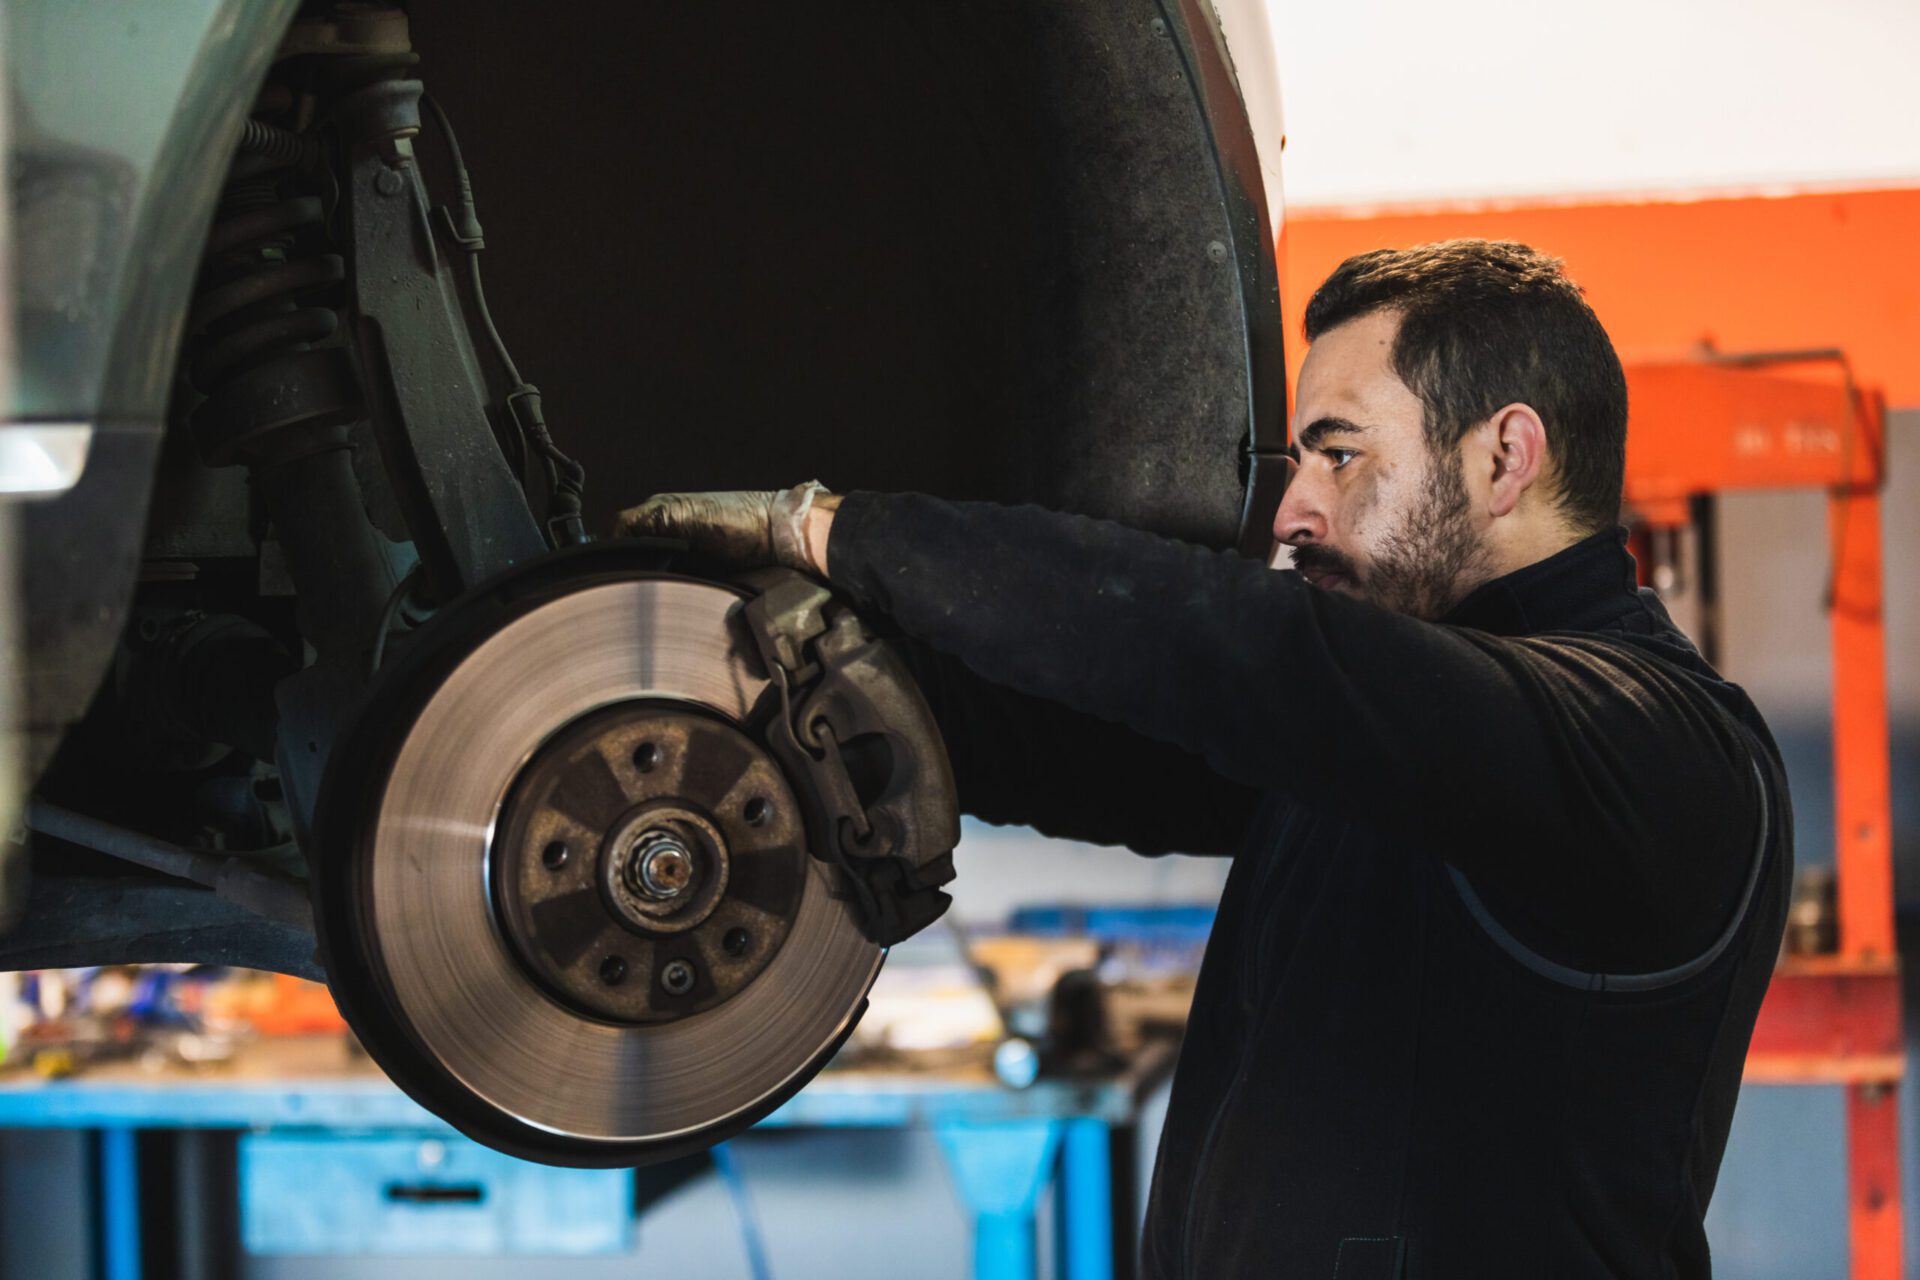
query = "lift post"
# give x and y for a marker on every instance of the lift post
(1797, 420)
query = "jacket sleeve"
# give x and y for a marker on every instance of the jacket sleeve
(1026, 760)
(1563, 770)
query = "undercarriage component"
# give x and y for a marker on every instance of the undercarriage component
(567, 894)
(330, 314)
(231, 877)
(428, 397)
(76, 920)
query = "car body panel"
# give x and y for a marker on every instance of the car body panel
(123, 118)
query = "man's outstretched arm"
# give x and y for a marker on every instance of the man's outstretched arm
(1029, 761)
(1564, 769)
(1017, 758)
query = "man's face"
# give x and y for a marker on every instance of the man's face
(1372, 512)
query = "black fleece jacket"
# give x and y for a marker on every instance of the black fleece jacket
(1506, 894)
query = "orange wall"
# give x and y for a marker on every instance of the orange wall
(1762, 273)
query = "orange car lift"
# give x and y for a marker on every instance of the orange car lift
(1798, 420)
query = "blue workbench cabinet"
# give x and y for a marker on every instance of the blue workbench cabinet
(428, 1193)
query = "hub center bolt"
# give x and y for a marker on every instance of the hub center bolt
(660, 866)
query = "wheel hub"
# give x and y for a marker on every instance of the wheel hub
(649, 862)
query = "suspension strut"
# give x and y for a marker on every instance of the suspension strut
(268, 351)
(299, 336)
(280, 391)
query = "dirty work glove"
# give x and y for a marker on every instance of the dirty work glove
(741, 529)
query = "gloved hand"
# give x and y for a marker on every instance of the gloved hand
(745, 529)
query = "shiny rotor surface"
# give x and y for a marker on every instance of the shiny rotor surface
(454, 978)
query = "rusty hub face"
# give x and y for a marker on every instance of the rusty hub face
(648, 863)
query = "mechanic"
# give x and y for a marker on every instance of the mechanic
(1511, 858)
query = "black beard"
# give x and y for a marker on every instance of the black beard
(1315, 557)
(1432, 558)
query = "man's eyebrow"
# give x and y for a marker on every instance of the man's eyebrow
(1315, 433)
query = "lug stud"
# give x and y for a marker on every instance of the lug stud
(677, 977)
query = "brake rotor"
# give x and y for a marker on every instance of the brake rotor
(577, 916)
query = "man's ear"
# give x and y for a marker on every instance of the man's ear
(1514, 451)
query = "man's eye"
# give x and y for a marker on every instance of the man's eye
(1341, 457)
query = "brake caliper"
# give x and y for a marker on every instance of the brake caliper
(859, 743)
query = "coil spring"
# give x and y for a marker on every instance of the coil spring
(265, 268)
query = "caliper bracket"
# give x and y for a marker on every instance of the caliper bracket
(856, 736)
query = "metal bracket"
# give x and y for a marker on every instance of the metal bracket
(858, 739)
(425, 393)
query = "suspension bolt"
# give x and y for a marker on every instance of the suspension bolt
(676, 978)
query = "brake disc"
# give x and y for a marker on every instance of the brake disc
(567, 899)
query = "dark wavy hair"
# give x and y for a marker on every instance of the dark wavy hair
(1486, 323)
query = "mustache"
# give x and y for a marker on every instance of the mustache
(1314, 558)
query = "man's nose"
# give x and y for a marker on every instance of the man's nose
(1302, 515)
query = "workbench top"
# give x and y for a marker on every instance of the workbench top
(324, 1082)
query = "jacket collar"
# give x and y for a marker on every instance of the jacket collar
(1582, 587)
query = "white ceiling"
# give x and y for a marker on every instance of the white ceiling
(1398, 101)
